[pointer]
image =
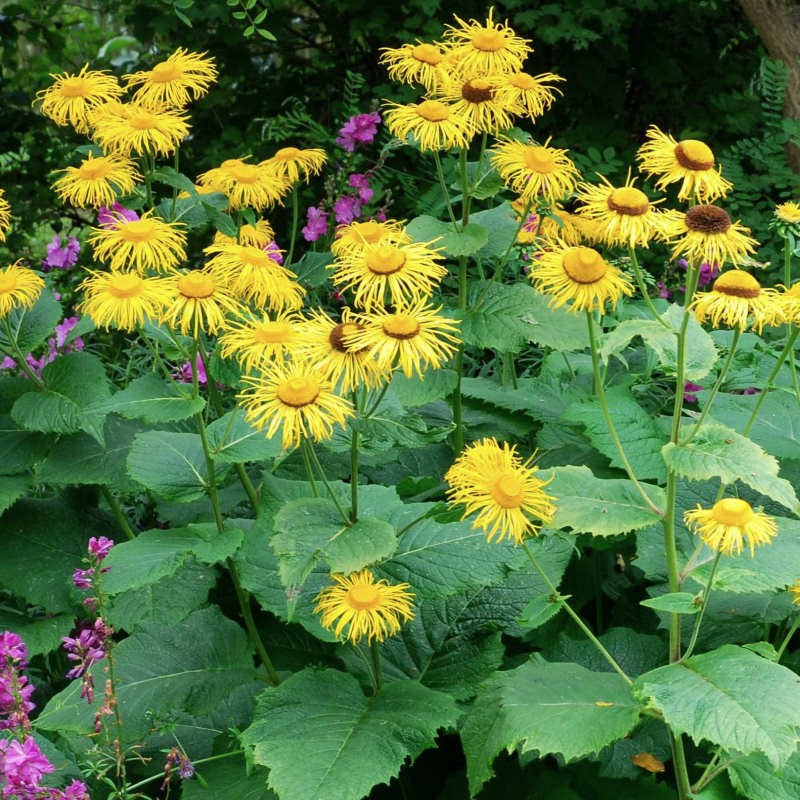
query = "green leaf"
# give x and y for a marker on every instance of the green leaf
(719, 451)
(454, 242)
(233, 440)
(227, 778)
(640, 436)
(20, 449)
(756, 778)
(153, 400)
(502, 226)
(222, 222)
(600, 506)
(173, 178)
(41, 635)
(322, 739)
(561, 709)
(541, 609)
(414, 391)
(155, 554)
(485, 183)
(31, 328)
(674, 603)
(730, 697)
(312, 269)
(11, 489)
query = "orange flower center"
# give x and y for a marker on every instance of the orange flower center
(488, 40)
(427, 54)
(93, 168)
(584, 265)
(707, 219)
(196, 285)
(539, 159)
(694, 154)
(433, 111)
(273, 333)
(523, 81)
(124, 286)
(165, 72)
(8, 282)
(243, 173)
(478, 90)
(732, 512)
(74, 87)
(369, 231)
(142, 120)
(338, 336)
(298, 392)
(287, 154)
(363, 596)
(507, 490)
(737, 283)
(139, 230)
(628, 201)
(255, 257)
(401, 326)
(385, 260)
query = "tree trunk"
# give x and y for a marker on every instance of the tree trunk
(778, 25)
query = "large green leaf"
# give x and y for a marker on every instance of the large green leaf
(730, 697)
(31, 328)
(502, 225)
(20, 449)
(322, 739)
(454, 242)
(562, 709)
(717, 451)
(600, 506)
(228, 778)
(233, 440)
(153, 400)
(42, 634)
(640, 436)
(757, 779)
(11, 489)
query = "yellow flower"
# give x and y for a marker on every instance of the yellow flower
(433, 125)
(623, 214)
(198, 303)
(491, 47)
(20, 287)
(363, 607)
(420, 63)
(139, 245)
(789, 304)
(251, 273)
(356, 236)
(729, 523)
(736, 297)
(296, 398)
(556, 227)
(289, 162)
(794, 591)
(259, 235)
(473, 100)
(215, 177)
(255, 341)
(326, 345)
(527, 95)
(71, 97)
(255, 186)
(413, 337)
(5, 216)
(707, 235)
(689, 161)
(134, 128)
(538, 173)
(97, 181)
(786, 220)
(579, 275)
(175, 82)
(494, 481)
(123, 299)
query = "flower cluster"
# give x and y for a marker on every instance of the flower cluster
(359, 129)
(15, 689)
(59, 257)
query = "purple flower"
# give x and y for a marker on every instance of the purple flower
(360, 128)
(61, 257)
(361, 182)
(86, 649)
(109, 217)
(317, 225)
(708, 274)
(663, 292)
(82, 578)
(274, 252)
(347, 209)
(22, 764)
(12, 648)
(184, 372)
(100, 546)
(689, 392)
(75, 791)
(751, 390)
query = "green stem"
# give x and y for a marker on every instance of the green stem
(787, 638)
(673, 571)
(466, 198)
(709, 777)
(445, 192)
(640, 282)
(680, 766)
(176, 164)
(699, 619)
(580, 623)
(601, 396)
(377, 671)
(321, 472)
(295, 222)
(309, 470)
(116, 509)
(19, 356)
(160, 775)
(354, 444)
(737, 334)
(701, 781)
(374, 407)
(787, 263)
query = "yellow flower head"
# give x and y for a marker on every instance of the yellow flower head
(434, 125)
(20, 287)
(729, 523)
(256, 341)
(133, 128)
(579, 276)
(175, 82)
(326, 344)
(491, 47)
(737, 300)
(97, 181)
(199, 303)
(527, 95)
(413, 337)
(786, 220)
(362, 606)
(356, 236)
(707, 235)
(124, 300)
(289, 162)
(256, 186)
(623, 214)
(690, 162)
(406, 272)
(794, 591)
(556, 227)
(508, 497)
(296, 398)
(789, 306)
(474, 100)
(420, 63)
(148, 243)
(70, 98)
(258, 235)
(538, 173)
(5, 216)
